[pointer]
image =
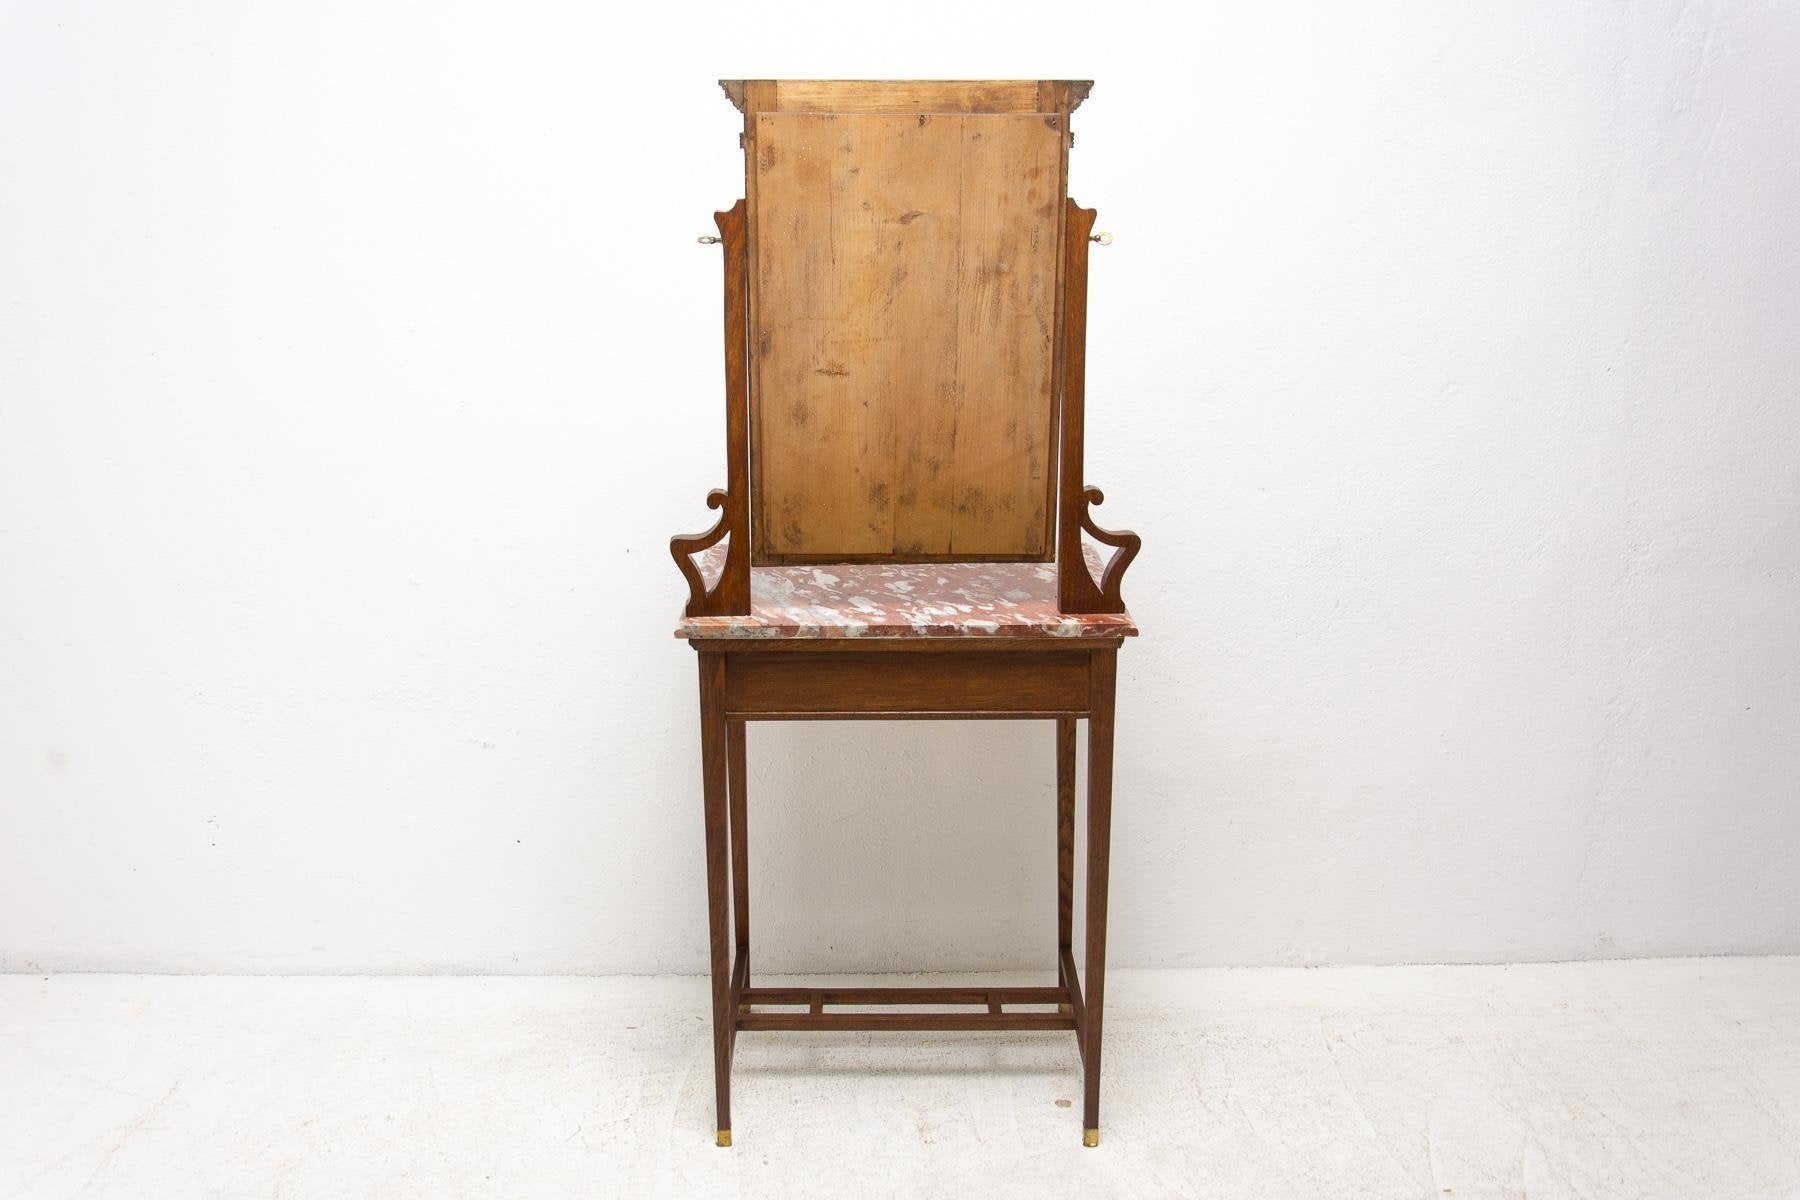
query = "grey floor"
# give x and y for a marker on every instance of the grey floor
(1676, 1078)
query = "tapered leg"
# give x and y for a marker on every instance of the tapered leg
(713, 737)
(1065, 841)
(738, 771)
(1099, 846)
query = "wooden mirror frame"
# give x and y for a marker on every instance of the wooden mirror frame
(1077, 589)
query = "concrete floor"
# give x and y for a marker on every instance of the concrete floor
(1641, 1079)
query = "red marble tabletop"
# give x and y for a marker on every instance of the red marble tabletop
(885, 600)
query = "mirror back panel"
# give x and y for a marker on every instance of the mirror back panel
(904, 301)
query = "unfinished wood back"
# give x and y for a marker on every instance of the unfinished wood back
(905, 282)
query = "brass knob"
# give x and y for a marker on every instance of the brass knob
(1103, 237)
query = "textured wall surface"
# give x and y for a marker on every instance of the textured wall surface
(356, 363)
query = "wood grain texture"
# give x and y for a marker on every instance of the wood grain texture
(1065, 839)
(1077, 590)
(738, 778)
(900, 95)
(904, 1022)
(1071, 979)
(757, 1002)
(713, 792)
(944, 645)
(911, 319)
(1051, 681)
(729, 593)
(903, 336)
(987, 996)
(742, 681)
(1099, 856)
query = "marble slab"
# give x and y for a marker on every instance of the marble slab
(885, 600)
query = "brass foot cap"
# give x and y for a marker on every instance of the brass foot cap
(1064, 1008)
(1090, 1137)
(724, 1137)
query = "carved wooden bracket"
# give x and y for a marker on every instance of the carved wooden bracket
(730, 593)
(1076, 589)
(704, 601)
(1125, 545)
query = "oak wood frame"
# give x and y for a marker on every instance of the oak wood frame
(963, 678)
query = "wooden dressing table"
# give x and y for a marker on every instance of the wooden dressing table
(901, 530)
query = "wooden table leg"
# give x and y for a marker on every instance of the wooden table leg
(737, 771)
(713, 738)
(1065, 843)
(1099, 845)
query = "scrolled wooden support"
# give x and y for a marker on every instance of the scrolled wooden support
(1076, 589)
(730, 593)
(683, 547)
(1125, 546)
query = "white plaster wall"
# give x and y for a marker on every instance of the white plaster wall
(356, 362)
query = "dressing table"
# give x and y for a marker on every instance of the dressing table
(905, 530)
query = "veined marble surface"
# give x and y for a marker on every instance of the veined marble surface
(869, 600)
